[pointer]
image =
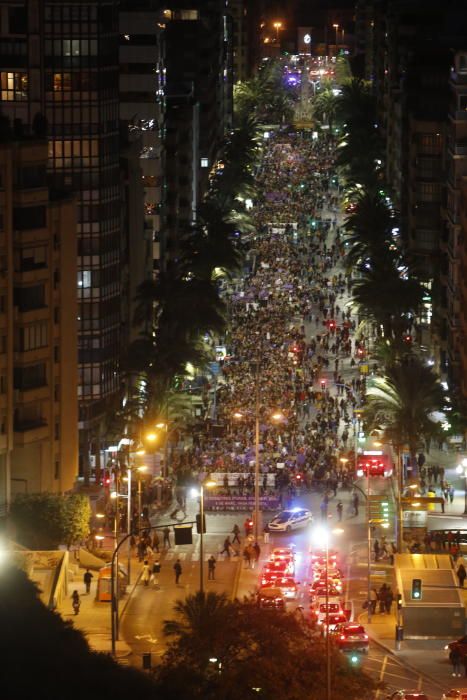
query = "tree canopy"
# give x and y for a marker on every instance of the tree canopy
(234, 650)
(45, 520)
(45, 657)
(402, 401)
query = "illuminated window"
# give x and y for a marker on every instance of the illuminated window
(186, 15)
(14, 86)
(62, 82)
(205, 162)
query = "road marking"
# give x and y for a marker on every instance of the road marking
(381, 675)
(169, 556)
(181, 556)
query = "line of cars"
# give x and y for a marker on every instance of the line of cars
(326, 604)
(277, 585)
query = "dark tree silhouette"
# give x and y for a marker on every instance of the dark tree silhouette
(44, 657)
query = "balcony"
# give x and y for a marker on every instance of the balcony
(458, 78)
(30, 430)
(458, 115)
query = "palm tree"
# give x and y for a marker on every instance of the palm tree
(265, 96)
(200, 624)
(386, 297)
(361, 146)
(325, 106)
(402, 401)
(356, 106)
(368, 228)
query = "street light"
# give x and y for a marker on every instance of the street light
(277, 416)
(277, 26)
(462, 470)
(194, 492)
(321, 536)
(336, 27)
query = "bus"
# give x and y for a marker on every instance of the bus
(374, 461)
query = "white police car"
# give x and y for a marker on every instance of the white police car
(289, 520)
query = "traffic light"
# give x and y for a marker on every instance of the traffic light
(198, 523)
(416, 589)
(323, 385)
(399, 601)
(183, 534)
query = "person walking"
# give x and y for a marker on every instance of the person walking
(339, 508)
(324, 509)
(87, 578)
(355, 502)
(382, 599)
(166, 533)
(146, 573)
(236, 533)
(256, 552)
(247, 557)
(211, 568)
(75, 602)
(376, 549)
(155, 542)
(178, 571)
(455, 657)
(373, 600)
(156, 569)
(227, 546)
(461, 574)
(388, 598)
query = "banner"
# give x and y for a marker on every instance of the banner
(240, 503)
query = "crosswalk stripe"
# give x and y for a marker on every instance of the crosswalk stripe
(169, 556)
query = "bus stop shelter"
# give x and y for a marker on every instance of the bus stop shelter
(439, 612)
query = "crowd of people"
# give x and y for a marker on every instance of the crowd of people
(292, 346)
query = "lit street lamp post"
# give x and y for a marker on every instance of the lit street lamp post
(462, 470)
(321, 535)
(277, 26)
(336, 27)
(276, 417)
(200, 493)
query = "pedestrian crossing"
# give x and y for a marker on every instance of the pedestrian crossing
(174, 554)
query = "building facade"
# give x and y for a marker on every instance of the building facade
(60, 62)
(38, 332)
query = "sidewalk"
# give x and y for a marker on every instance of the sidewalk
(93, 619)
(425, 656)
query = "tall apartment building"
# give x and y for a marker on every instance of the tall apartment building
(238, 10)
(456, 223)
(60, 58)
(197, 62)
(410, 73)
(142, 114)
(38, 332)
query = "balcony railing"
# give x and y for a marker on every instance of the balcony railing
(22, 425)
